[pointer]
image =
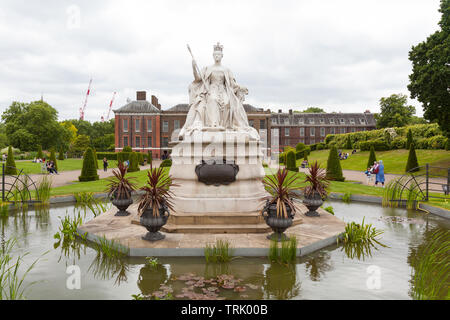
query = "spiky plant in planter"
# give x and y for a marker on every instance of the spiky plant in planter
(279, 210)
(316, 190)
(120, 188)
(155, 202)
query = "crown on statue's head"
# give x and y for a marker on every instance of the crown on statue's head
(218, 47)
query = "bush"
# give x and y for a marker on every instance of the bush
(313, 147)
(134, 162)
(437, 142)
(422, 143)
(149, 157)
(412, 163)
(141, 158)
(53, 157)
(291, 164)
(127, 149)
(282, 158)
(123, 156)
(300, 146)
(321, 146)
(447, 145)
(10, 163)
(166, 163)
(89, 171)
(372, 157)
(378, 144)
(334, 169)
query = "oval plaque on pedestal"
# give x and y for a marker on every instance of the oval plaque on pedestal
(217, 172)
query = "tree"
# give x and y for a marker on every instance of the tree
(409, 139)
(430, 77)
(395, 112)
(300, 146)
(96, 159)
(10, 163)
(28, 125)
(88, 172)
(53, 157)
(412, 163)
(334, 169)
(82, 142)
(372, 157)
(312, 110)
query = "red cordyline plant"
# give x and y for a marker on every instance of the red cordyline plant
(281, 187)
(317, 180)
(119, 186)
(157, 191)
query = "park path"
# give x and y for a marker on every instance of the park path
(70, 177)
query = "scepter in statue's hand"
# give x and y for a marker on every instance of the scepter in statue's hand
(197, 69)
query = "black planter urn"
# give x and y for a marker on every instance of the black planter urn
(278, 224)
(122, 205)
(313, 202)
(153, 224)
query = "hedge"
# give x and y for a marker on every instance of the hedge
(95, 157)
(107, 155)
(134, 162)
(385, 139)
(166, 163)
(123, 156)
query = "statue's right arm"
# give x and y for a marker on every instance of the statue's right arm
(197, 77)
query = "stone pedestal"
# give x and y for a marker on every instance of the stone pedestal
(231, 208)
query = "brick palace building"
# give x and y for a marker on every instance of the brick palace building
(144, 126)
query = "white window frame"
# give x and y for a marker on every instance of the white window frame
(311, 120)
(137, 125)
(286, 132)
(164, 127)
(302, 132)
(175, 127)
(322, 132)
(312, 132)
(125, 127)
(149, 127)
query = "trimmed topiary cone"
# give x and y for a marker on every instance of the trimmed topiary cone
(53, 158)
(372, 157)
(89, 172)
(409, 139)
(61, 154)
(412, 163)
(334, 169)
(40, 155)
(10, 167)
(96, 160)
(134, 162)
(291, 163)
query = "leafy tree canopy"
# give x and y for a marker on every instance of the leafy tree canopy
(430, 78)
(311, 110)
(395, 112)
(28, 125)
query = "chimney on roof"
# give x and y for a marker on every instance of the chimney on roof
(367, 111)
(290, 111)
(155, 102)
(280, 111)
(141, 95)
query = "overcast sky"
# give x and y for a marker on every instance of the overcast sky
(337, 55)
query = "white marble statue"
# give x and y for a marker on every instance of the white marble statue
(216, 101)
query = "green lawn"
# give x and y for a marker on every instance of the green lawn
(63, 165)
(394, 160)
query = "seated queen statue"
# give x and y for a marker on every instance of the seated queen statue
(216, 101)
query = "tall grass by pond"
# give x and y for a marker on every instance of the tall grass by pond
(221, 251)
(286, 254)
(87, 200)
(431, 272)
(44, 188)
(12, 285)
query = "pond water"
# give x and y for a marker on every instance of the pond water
(327, 274)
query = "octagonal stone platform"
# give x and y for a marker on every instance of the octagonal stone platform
(313, 233)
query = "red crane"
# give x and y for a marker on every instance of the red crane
(85, 101)
(110, 107)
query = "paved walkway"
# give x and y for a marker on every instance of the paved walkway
(69, 177)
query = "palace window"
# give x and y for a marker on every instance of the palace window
(322, 132)
(332, 131)
(165, 127)
(342, 120)
(311, 120)
(312, 132)
(302, 132)
(137, 125)
(138, 142)
(165, 142)
(331, 121)
(352, 121)
(125, 125)
(286, 132)
(176, 124)
(342, 130)
(149, 142)
(149, 125)
(262, 124)
(125, 141)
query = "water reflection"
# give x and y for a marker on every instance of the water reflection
(318, 264)
(280, 282)
(105, 267)
(151, 278)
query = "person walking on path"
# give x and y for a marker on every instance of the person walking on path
(105, 164)
(380, 173)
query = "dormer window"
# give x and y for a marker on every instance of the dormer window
(362, 121)
(332, 121)
(321, 120)
(342, 120)
(311, 121)
(352, 121)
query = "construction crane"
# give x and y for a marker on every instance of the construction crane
(110, 107)
(85, 101)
